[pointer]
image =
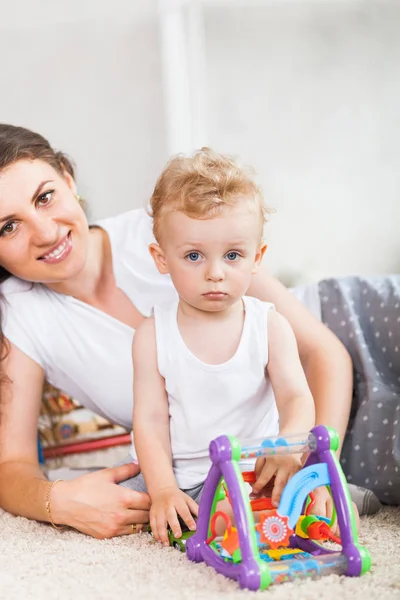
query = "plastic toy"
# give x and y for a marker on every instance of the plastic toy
(284, 544)
(179, 543)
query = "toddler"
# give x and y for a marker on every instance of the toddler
(214, 361)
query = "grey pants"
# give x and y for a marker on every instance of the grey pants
(365, 314)
(138, 485)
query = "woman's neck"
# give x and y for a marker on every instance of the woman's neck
(92, 282)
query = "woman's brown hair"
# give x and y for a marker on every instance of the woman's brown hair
(18, 143)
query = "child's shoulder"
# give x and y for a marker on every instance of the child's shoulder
(250, 302)
(144, 335)
(265, 312)
(166, 310)
(146, 327)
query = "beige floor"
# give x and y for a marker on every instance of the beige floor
(38, 562)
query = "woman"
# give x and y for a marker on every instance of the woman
(72, 298)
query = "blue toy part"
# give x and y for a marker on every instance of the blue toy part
(292, 444)
(298, 488)
(266, 558)
(267, 443)
(282, 443)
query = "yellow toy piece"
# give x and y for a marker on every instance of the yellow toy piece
(281, 553)
(299, 531)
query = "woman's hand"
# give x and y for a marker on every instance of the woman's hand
(94, 504)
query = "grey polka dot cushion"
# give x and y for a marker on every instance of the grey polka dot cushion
(365, 314)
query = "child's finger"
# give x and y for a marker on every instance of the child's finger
(153, 525)
(193, 506)
(173, 521)
(258, 467)
(266, 474)
(281, 479)
(162, 529)
(187, 516)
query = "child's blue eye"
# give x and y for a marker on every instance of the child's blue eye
(232, 256)
(193, 256)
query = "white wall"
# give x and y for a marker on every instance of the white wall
(86, 74)
(306, 91)
(309, 93)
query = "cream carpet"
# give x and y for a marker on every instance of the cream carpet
(38, 562)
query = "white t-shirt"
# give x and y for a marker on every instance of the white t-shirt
(205, 401)
(82, 350)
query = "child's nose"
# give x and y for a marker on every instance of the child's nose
(215, 272)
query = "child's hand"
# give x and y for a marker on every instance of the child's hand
(282, 467)
(323, 507)
(167, 504)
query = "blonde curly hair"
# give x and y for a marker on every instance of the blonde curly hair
(202, 186)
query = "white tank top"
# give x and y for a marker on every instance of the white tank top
(232, 398)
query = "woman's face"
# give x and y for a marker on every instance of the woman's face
(43, 229)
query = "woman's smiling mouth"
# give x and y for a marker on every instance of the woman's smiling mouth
(59, 252)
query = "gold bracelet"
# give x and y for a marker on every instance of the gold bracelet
(48, 504)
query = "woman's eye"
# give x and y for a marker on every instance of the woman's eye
(45, 198)
(8, 228)
(193, 256)
(232, 256)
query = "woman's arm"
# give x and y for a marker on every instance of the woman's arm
(23, 486)
(92, 503)
(325, 360)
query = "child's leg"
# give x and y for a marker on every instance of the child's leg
(195, 492)
(136, 483)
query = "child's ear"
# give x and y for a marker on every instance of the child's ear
(259, 256)
(159, 258)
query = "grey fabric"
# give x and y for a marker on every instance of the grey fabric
(366, 501)
(365, 314)
(135, 483)
(138, 485)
